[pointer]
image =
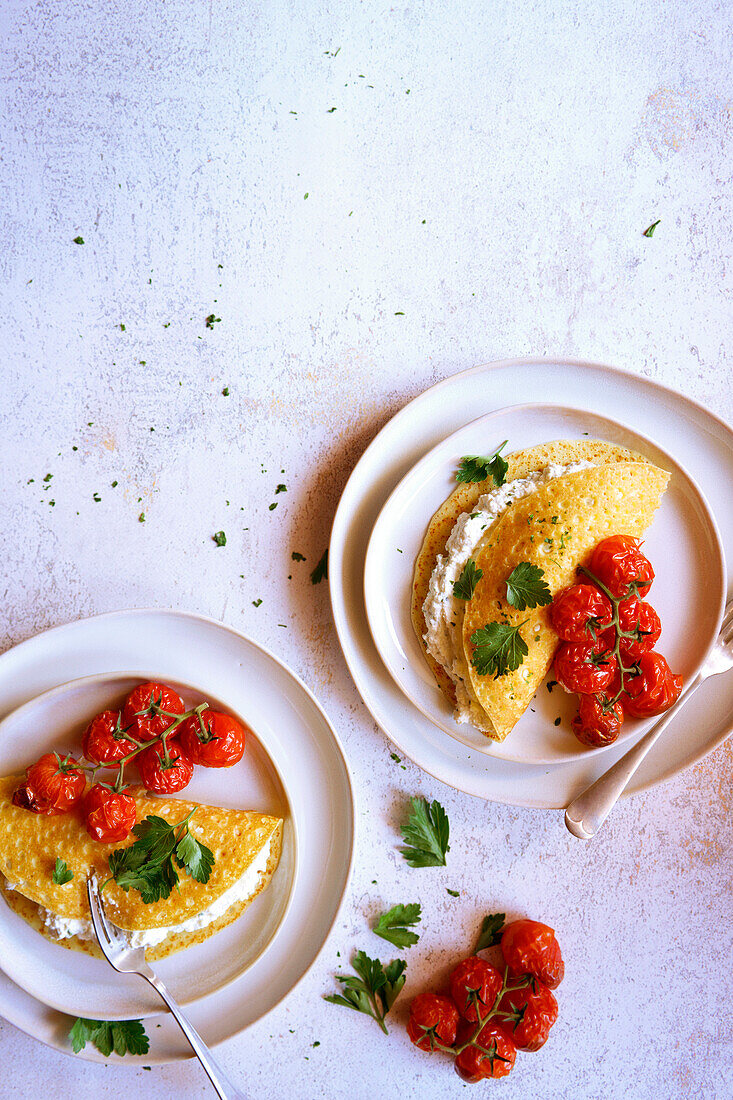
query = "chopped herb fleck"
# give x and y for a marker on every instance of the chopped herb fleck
(78, 240)
(256, 603)
(281, 489)
(141, 518)
(273, 506)
(296, 556)
(219, 538)
(321, 570)
(211, 320)
(649, 231)
(225, 392)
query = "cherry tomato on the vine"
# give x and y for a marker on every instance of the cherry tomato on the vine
(110, 815)
(494, 1057)
(213, 739)
(618, 561)
(653, 690)
(580, 613)
(639, 617)
(474, 980)
(530, 947)
(596, 724)
(103, 741)
(51, 786)
(141, 712)
(533, 1011)
(432, 1017)
(164, 776)
(584, 667)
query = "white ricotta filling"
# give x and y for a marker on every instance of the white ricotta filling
(442, 611)
(242, 890)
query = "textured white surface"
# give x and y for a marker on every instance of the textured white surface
(479, 191)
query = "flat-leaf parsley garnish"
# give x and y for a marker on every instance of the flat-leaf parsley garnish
(393, 925)
(478, 467)
(500, 648)
(149, 865)
(375, 989)
(426, 832)
(120, 1036)
(320, 572)
(61, 873)
(465, 586)
(526, 587)
(491, 928)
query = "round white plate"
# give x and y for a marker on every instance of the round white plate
(223, 665)
(81, 985)
(688, 591)
(700, 442)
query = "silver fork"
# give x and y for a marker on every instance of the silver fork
(586, 813)
(131, 960)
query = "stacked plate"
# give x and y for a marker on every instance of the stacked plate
(407, 473)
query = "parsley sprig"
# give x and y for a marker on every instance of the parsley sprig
(474, 468)
(374, 990)
(61, 873)
(465, 586)
(491, 929)
(426, 833)
(499, 648)
(526, 587)
(393, 925)
(120, 1036)
(149, 865)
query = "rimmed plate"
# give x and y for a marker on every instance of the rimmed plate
(73, 981)
(223, 665)
(688, 592)
(700, 441)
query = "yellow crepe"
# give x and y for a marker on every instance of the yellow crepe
(521, 464)
(616, 498)
(30, 844)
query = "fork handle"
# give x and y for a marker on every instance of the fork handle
(221, 1084)
(586, 813)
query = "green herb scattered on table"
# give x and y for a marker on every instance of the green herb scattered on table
(393, 925)
(426, 833)
(374, 990)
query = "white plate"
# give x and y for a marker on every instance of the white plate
(226, 666)
(701, 442)
(81, 985)
(688, 592)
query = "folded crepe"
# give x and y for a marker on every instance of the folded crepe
(556, 527)
(246, 848)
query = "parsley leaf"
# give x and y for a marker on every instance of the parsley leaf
(320, 572)
(526, 587)
(465, 586)
(426, 832)
(500, 648)
(120, 1036)
(220, 538)
(477, 467)
(374, 990)
(148, 865)
(78, 240)
(393, 925)
(491, 927)
(649, 231)
(61, 873)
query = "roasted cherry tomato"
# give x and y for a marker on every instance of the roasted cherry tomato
(580, 613)
(639, 618)
(142, 715)
(655, 688)
(474, 983)
(432, 1018)
(110, 815)
(213, 739)
(618, 562)
(104, 741)
(532, 1012)
(51, 786)
(529, 947)
(597, 724)
(584, 667)
(161, 775)
(493, 1058)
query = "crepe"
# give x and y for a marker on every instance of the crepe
(619, 495)
(30, 844)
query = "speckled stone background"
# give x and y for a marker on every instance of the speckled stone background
(370, 197)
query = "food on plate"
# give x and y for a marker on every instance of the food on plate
(498, 550)
(495, 1008)
(244, 848)
(607, 655)
(65, 817)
